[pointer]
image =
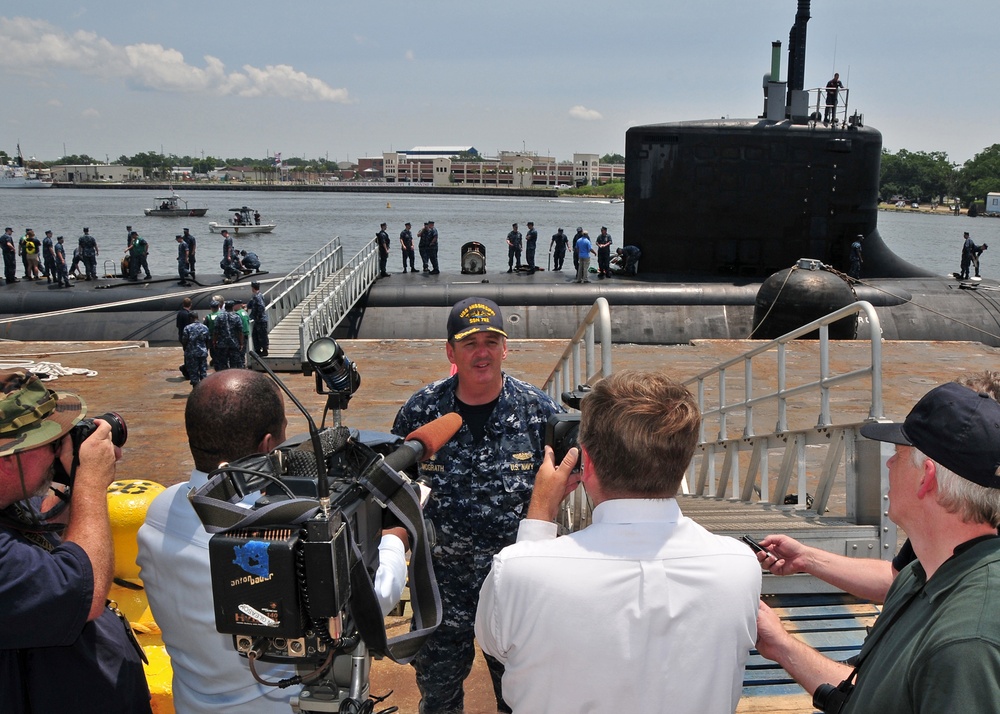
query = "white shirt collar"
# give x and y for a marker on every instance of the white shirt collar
(637, 510)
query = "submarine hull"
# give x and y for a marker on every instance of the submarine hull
(106, 309)
(654, 309)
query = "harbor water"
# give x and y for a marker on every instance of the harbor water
(306, 221)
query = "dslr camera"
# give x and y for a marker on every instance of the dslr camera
(562, 429)
(80, 432)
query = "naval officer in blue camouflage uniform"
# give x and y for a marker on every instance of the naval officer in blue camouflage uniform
(480, 482)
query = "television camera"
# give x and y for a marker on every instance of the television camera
(292, 572)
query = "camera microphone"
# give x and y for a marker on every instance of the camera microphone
(423, 443)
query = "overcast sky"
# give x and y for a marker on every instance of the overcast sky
(338, 79)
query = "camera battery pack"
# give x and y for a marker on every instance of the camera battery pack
(254, 582)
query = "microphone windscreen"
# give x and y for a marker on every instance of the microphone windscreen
(435, 434)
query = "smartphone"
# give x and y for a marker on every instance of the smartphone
(757, 547)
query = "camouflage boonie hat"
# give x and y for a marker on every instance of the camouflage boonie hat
(31, 415)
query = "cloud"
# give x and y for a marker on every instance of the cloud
(581, 112)
(35, 46)
(409, 56)
(90, 113)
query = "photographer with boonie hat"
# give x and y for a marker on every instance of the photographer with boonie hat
(480, 485)
(61, 648)
(936, 645)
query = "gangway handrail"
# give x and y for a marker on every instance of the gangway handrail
(864, 473)
(327, 307)
(782, 392)
(285, 295)
(567, 375)
(568, 372)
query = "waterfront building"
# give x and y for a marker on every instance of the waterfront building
(449, 166)
(87, 173)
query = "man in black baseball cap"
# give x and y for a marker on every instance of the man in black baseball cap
(936, 645)
(480, 486)
(474, 315)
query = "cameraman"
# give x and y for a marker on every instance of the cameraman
(61, 648)
(229, 415)
(624, 614)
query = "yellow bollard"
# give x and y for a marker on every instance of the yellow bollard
(128, 502)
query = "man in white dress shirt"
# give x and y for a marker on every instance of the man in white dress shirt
(644, 610)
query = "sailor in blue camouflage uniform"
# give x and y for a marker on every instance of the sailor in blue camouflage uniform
(227, 338)
(89, 252)
(480, 483)
(195, 340)
(62, 272)
(49, 258)
(258, 314)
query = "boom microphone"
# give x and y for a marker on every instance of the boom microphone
(423, 443)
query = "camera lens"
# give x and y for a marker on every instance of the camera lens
(119, 431)
(330, 362)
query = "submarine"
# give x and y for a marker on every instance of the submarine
(745, 229)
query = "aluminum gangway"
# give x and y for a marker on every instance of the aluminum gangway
(313, 299)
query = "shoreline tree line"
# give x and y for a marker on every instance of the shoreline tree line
(911, 175)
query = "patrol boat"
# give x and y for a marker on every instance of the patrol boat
(172, 206)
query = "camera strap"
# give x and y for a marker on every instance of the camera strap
(396, 495)
(831, 699)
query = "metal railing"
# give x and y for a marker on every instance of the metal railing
(843, 443)
(569, 372)
(838, 110)
(331, 301)
(579, 365)
(284, 296)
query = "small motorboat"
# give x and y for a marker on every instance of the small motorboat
(245, 220)
(173, 205)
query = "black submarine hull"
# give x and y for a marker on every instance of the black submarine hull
(654, 309)
(674, 311)
(107, 309)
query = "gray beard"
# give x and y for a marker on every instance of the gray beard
(43, 489)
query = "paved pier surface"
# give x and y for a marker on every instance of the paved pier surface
(144, 386)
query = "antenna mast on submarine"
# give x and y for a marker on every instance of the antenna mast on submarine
(798, 101)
